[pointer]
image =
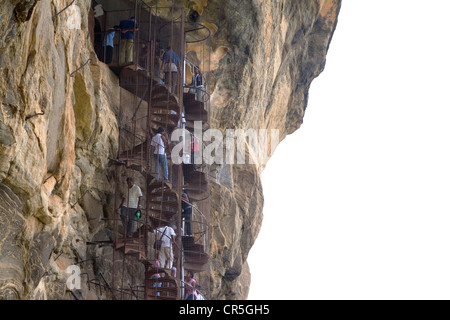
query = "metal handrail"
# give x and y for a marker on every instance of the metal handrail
(142, 139)
(203, 223)
(201, 27)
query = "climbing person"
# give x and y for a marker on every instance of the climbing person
(157, 276)
(186, 213)
(196, 156)
(156, 284)
(165, 254)
(173, 272)
(190, 293)
(192, 86)
(170, 64)
(144, 54)
(129, 206)
(109, 45)
(159, 142)
(158, 56)
(197, 81)
(128, 27)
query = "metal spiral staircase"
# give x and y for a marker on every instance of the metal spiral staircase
(146, 105)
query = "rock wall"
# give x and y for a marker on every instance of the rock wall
(57, 133)
(58, 130)
(270, 52)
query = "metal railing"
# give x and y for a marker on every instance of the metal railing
(199, 224)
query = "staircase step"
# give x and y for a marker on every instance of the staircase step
(195, 267)
(161, 297)
(173, 209)
(132, 247)
(199, 196)
(200, 188)
(162, 280)
(196, 180)
(166, 213)
(187, 240)
(169, 289)
(166, 105)
(165, 113)
(197, 248)
(155, 183)
(187, 96)
(192, 106)
(169, 195)
(154, 196)
(160, 95)
(197, 116)
(159, 88)
(152, 270)
(159, 221)
(191, 126)
(161, 192)
(170, 125)
(170, 203)
(196, 258)
(164, 96)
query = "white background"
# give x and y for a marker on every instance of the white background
(358, 198)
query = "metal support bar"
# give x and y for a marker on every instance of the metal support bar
(34, 115)
(54, 17)
(73, 205)
(82, 66)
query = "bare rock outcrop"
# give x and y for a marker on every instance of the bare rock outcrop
(270, 52)
(57, 132)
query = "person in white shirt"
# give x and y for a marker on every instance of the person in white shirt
(167, 236)
(129, 205)
(158, 142)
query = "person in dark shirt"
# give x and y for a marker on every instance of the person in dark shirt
(186, 212)
(197, 81)
(128, 28)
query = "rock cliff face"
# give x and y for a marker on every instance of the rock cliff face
(58, 130)
(270, 51)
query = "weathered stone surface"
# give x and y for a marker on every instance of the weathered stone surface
(12, 246)
(58, 132)
(24, 9)
(265, 56)
(39, 256)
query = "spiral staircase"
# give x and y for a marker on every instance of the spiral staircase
(146, 105)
